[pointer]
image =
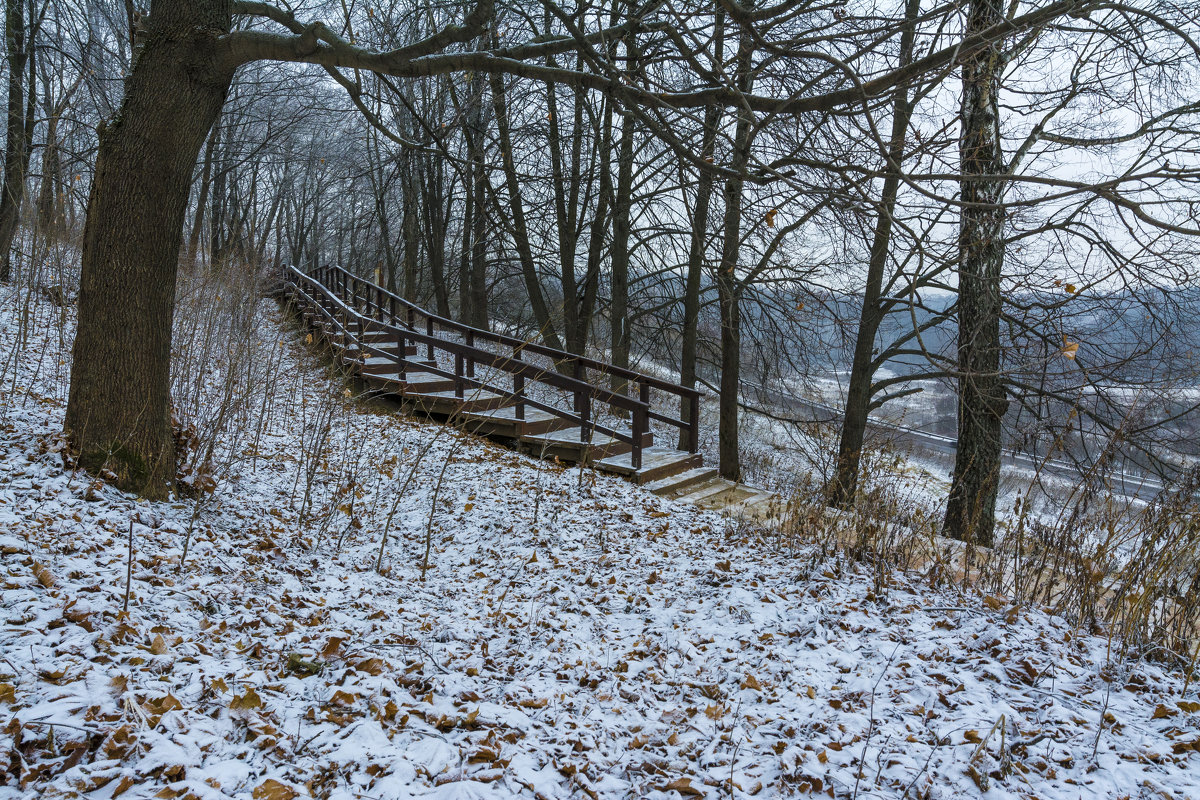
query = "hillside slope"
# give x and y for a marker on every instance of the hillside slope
(533, 631)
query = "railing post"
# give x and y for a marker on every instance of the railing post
(519, 394)
(470, 359)
(582, 378)
(429, 333)
(641, 426)
(585, 419)
(458, 375)
(694, 424)
(401, 353)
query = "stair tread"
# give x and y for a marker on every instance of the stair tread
(414, 376)
(469, 395)
(682, 479)
(652, 458)
(570, 436)
(509, 414)
(733, 496)
(706, 490)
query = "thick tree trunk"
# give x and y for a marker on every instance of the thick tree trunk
(844, 486)
(971, 509)
(16, 146)
(119, 411)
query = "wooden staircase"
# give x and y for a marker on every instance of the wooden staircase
(550, 403)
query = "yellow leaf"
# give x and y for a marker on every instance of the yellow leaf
(1070, 287)
(751, 682)
(8, 693)
(273, 790)
(159, 645)
(123, 786)
(249, 700)
(811, 692)
(715, 711)
(43, 576)
(468, 506)
(683, 786)
(371, 666)
(332, 646)
(1162, 712)
(973, 737)
(771, 217)
(541, 702)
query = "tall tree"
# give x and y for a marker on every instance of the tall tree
(844, 485)
(971, 508)
(18, 43)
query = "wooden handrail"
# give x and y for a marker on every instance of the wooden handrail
(519, 369)
(347, 300)
(533, 347)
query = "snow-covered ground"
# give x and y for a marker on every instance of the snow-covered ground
(534, 631)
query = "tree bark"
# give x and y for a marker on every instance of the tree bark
(844, 486)
(971, 509)
(622, 210)
(689, 344)
(533, 286)
(119, 409)
(728, 288)
(17, 144)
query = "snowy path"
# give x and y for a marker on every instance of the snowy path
(574, 636)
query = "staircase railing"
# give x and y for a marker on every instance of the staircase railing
(354, 307)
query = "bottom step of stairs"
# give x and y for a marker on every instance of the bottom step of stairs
(658, 463)
(733, 499)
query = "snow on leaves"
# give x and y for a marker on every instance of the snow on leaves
(567, 641)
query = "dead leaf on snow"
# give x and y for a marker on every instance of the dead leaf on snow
(271, 789)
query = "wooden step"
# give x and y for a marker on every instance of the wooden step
(734, 495)
(503, 422)
(388, 367)
(702, 492)
(674, 485)
(448, 403)
(762, 506)
(565, 444)
(413, 382)
(657, 463)
(390, 347)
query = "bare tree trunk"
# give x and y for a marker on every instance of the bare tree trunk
(728, 288)
(619, 264)
(119, 410)
(202, 199)
(691, 293)
(971, 509)
(433, 201)
(17, 143)
(533, 286)
(844, 486)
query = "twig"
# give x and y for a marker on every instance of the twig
(128, 570)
